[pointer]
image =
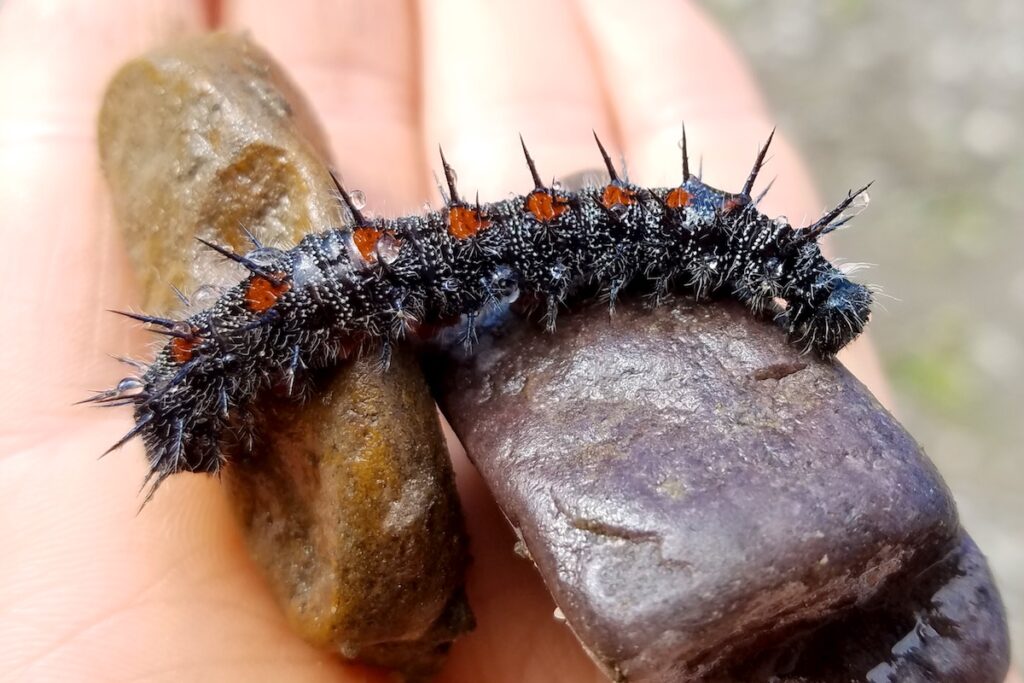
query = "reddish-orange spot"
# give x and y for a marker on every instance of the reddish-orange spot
(365, 240)
(263, 293)
(615, 195)
(677, 198)
(182, 348)
(546, 207)
(465, 222)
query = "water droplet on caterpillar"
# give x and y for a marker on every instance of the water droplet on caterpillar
(181, 328)
(388, 248)
(129, 384)
(265, 256)
(204, 296)
(358, 198)
(305, 270)
(503, 284)
(856, 207)
(450, 284)
(332, 244)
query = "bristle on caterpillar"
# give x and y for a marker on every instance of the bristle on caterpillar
(375, 282)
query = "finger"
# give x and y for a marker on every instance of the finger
(356, 63)
(65, 259)
(517, 638)
(492, 70)
(664, 62)
(368, 99)
(90, 591)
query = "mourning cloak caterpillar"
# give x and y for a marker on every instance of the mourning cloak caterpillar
(379, 280)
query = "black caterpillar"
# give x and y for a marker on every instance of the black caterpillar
(380, 280)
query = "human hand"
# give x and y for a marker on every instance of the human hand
(90, 591)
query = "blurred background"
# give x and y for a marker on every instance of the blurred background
(927, 99)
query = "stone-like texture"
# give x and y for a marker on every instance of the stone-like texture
(349, 501)
(945, 623)
(349, 507)
(205, 137)
(693, 491)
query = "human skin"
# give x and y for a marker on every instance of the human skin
(91, 591)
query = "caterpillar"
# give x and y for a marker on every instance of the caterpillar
(377, 281)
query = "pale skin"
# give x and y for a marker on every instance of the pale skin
(90, 591)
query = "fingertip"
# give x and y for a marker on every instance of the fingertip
(492, 70)
(666, 62)
(53, 71)
(356, 63)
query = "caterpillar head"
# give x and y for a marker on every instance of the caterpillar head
(835, 314)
